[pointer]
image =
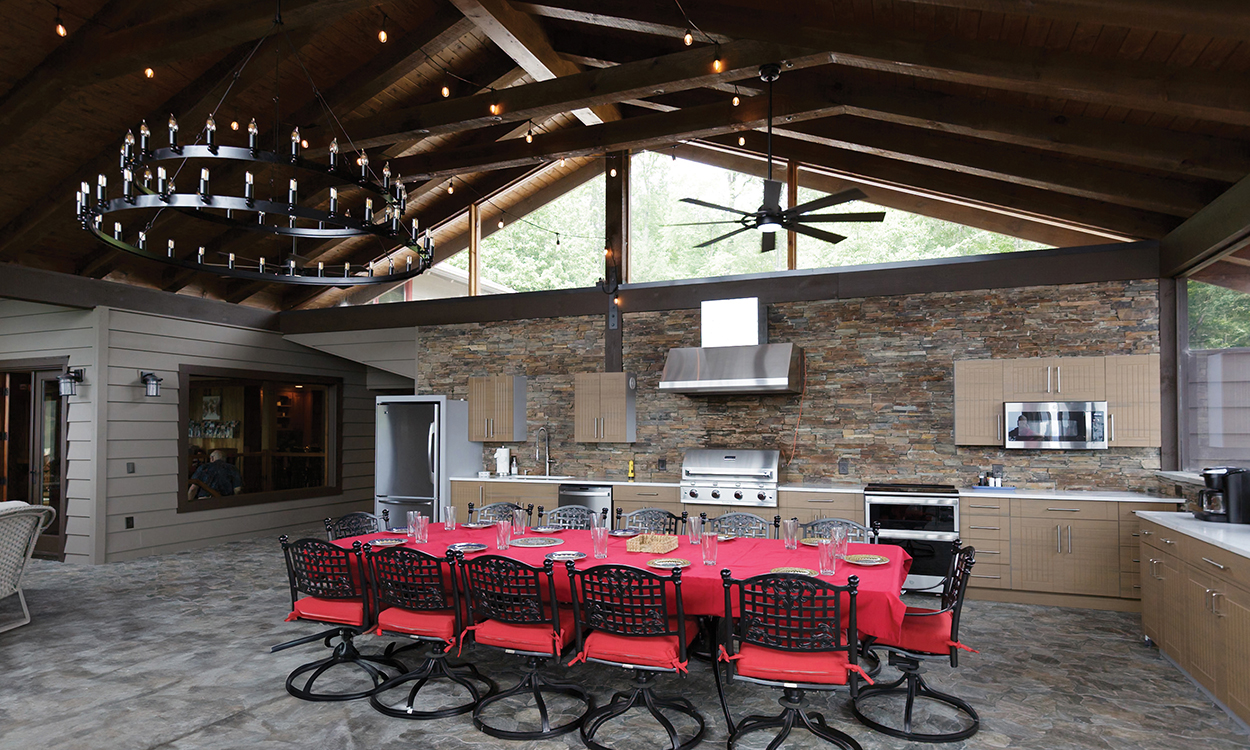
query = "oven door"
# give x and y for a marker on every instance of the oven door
(924, 526)
(931, 555)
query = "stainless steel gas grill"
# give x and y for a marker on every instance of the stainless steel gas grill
(716, 476)
(922, 519)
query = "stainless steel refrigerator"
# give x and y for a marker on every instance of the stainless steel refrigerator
(422, 441)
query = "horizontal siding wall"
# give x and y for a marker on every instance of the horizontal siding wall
(31, 330)
(144, 431)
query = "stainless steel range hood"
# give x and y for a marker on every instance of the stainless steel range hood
(735, 357)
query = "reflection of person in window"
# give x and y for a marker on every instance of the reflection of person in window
(1023, 430)
(215, 478)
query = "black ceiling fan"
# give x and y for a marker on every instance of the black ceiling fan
(770, 218)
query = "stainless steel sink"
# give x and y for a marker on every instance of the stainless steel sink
(539, 477)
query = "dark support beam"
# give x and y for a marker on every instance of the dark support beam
(792, 199)
(616, 230)
(1169, 372)
(1221, 228)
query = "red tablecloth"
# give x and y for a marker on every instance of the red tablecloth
(880, 608)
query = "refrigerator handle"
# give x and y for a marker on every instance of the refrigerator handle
(429, 452)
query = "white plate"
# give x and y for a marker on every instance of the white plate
(467, 547)
(868, 560)
(478, 525)
(625, 532)
(565, 554)
(535, 541)
(668, 563)
(387, 542)
(546, 529)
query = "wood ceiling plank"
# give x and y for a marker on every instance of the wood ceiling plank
(1215, 18)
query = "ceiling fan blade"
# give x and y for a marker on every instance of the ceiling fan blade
(865, 216)
(819, 234)
(825, 202)
(768, 242)
(703, 223)
(705, 204)
(772, 195)
(723, 237)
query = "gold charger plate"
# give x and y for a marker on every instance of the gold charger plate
(799, 571)
(811, 541)
(867, 559)
(536, 541)
(668, 563)
(391, 542)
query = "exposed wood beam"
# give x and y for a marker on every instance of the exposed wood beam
(102, 56)
(475, 249)
(1222, 19)
(1220, 229)
(647, 131)
(680, 71)
(1062, 74)
(522, 39)
(914, 201)
(1114, 222)
(792, 199)
(1190, 154)
(1009, 163)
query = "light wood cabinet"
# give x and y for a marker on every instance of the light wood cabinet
(1133, 401)
(985, 524)
(1080, 379)
(810, 506)
(632, 498)
(1071, 556)
(979, 402)
(1028, 379)
(1235, 608)
(603, 407)
(1203, 644)
(484, 493)
(497, 408)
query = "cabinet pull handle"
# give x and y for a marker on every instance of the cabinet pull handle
(987, 528)
(1208, 602)
(1209, 560)
(998, 427)
(1058, 378)
(1048, 378)
(1153, 574)
(1147, 532)
(1069, 539)
(1168, 541)
(990, 507)
(1066, 510)
(1134, 534)
(974, 575)
(1058, 539)
(481, 495)
(988, 552)
(1215, 611)
(648, 494)
(1111, 425)
(1136, 560)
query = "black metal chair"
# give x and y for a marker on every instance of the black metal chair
(513, 608)
(746, 525)
(855, 532)
(635, 624)
(927, 634)
(495, 512)
(652, 520)
(356, 524)
(416, 598)
(796, 633)
(331, 576)
(571, 517)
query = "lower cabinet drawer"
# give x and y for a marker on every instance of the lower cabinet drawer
(990, 552)
(648, 496)
(1130, 559)
(1130, 585)
(980, 529)
(990, 576)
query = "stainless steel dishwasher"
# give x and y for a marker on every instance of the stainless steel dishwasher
(594, 496)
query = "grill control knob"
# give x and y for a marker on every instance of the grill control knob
(738, 495)
(694, 493)
(762, 496)
(715, 494)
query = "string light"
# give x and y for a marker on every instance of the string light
(382, 37)
(736, 100)
(148, 72)
(303, 143)
(61, 31)
(234, 124)
(494, 109)
(501, 223)
(446, 91)
(529, 134)
(451, 186)
(717, 64)
(688, 38)
(742, 140)
(612, 172)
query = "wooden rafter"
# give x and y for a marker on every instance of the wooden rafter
(1218, 230)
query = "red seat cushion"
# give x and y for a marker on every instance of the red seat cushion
(823, 668)
(926, 635)
(537, 637)
(439, 623)
(642, 651)
(341, 611)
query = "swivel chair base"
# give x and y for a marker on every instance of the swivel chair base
(793, 714)
(915, 688)
(536, 685)
(435, 667)
(344, 653)
(643, 696)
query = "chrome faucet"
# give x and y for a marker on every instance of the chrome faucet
(547, 462)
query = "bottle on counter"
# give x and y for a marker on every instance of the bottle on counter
(981, 480)
(631, 469)
(513, 468)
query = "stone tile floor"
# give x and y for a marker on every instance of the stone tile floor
(173, 652)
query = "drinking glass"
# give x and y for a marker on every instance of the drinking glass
(828, 557)
(695, 526)
(710, 540)
(413, 515)
(503, 535)
(421, 529)
(840, 538)
(790, 533)
(449, 517)
(518, 522)
(599, 541)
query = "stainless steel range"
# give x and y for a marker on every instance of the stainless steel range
(922, 519)
(717, 476)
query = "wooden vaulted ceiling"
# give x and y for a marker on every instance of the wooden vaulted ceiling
(1064, 121)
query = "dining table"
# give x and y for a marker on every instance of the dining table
(879, 604)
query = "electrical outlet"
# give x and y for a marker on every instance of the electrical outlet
(130, 522)
(844, 466)
(661, 464)
(130, 467)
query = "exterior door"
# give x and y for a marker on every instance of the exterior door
(32, 448)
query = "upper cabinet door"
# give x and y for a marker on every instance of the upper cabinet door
(497, 408)
(1080, 379)
(978, 402)
(586, 407)
(617, 420)
(1133, 401)
(481, 407)
(1029, 379)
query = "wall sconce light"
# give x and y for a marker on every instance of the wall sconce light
(151, 384)
(68, 382)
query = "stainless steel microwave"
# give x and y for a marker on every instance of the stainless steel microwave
(1064, 425)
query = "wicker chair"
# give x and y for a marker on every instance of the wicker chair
(20, 527)
(571, 517)
(356, 524)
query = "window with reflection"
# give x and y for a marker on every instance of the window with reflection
(254, 437)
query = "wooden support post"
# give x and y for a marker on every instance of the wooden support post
(475, 249)
(792, 199)
(616, 256)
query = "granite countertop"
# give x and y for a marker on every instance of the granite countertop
(1233, 537)
(1113, 496)
(562, 480)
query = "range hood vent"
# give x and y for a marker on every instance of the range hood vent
(736, 357)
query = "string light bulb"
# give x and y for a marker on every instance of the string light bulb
(446, 92)
(494, 109)
(501, 223)
(61, 31)
(451, 187)
(382, 36)
(742, 140)
(612, 172)
(234, 124)
(717, 65)
(303, 143)
(529, 134)
(688, 39)
(736, 100)
(148, 72)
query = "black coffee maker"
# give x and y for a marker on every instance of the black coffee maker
(1226, 498)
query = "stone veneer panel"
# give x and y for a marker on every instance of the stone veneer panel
(880, 389)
